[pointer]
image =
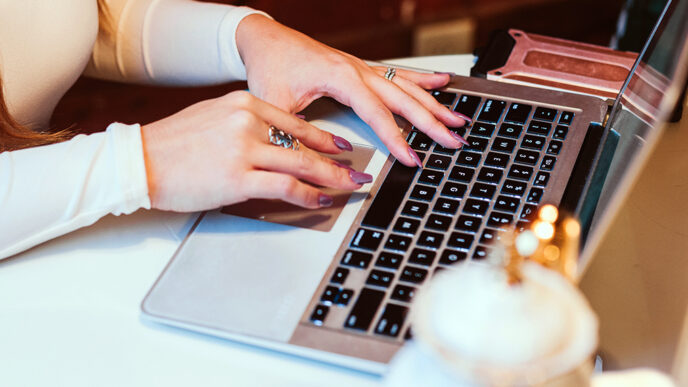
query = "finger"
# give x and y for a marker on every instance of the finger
(308, 165)
(272, 185)
(427, 81)
(408, 107)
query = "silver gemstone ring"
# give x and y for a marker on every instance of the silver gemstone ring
(281, 138)
(390, 73)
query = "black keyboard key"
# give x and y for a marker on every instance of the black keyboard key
(541, 179)
(490, 235)
(482, 129)
(446, 206)
(319, 314)
(462, 174)
(413, 274)
(483, 191)
(460, 131)
(513, 187)
(496, 159)
(527, 157)
(389, 197)
(522, 226)
(406, 225)
(468, 223)
(481, 252)
(412, 208)
(443, 97)
(533, 142)
(344, 297)
(492, 110)
(367, 239)
(543, 113)
(380, 278)
(507, 203)
(490, 175)
(554, 147)
(389, 260)
(392, 320)
(476, 144)
(397, 242)
(447, 151)
(339, 275)
(423, 192)
(535, 195)
(430, 177)
(468, 105)
(430, 239)
(454, 190)
(438, 162)
(510, 130)
(471, 159)
(329, 295)
(528, 213)
(548, 163)
(438, 222)
(539, 128)
(422, 257)
(502, 144)
(566, 118)
(518, 112)
(520, 172)
(403, 293)
(450, 257)
(560, 132)
(357, 259)
(460, 240)
(476, 207)
(364, 310)
(419, 141)
(499, 219)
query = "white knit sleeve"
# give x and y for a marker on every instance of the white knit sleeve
(171, 42)
(51, 190)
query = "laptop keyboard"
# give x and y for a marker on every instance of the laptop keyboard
(425, 220)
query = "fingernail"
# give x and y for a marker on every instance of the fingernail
(415, 157)
(458, 138)
(465, 117)
(301, 116)
(340, 165)
(342, 143)
(360, 177)
(325, 200)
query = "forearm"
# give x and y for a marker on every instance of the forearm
(171, 42)
(49, 191)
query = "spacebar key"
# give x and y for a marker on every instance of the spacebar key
(364, 310)
(389, 196)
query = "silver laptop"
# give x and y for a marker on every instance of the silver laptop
(336, 285)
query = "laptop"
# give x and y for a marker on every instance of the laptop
(337, 286)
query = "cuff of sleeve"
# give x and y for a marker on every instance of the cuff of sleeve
(131, 167)
(228, 45)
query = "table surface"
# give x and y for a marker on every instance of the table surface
(69, 310)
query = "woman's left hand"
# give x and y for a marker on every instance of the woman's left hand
(291, 70)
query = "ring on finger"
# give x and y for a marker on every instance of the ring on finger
(281, 138)
(390, 73)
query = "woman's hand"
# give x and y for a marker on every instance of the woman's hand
(291, 70)
(217, 152)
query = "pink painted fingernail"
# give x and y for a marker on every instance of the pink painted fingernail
(458, 138)
(325, 200)
(341, 143)
(360, 177)
(341, 165)
(465, 117)
(300, 116)
(415, 157)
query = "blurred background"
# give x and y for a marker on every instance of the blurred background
(370, 29)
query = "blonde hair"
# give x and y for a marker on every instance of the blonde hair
(13, 135)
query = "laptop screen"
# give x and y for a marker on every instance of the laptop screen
(644, 103)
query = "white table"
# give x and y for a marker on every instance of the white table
(69, 311)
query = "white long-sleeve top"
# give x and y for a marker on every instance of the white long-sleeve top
(45, 46)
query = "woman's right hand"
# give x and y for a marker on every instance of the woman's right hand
(217, 152)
